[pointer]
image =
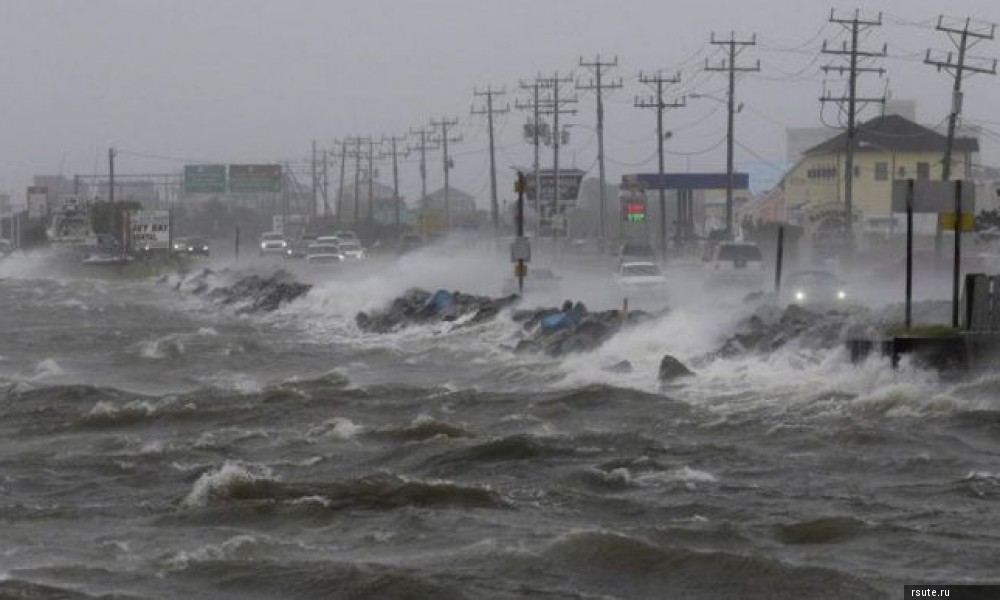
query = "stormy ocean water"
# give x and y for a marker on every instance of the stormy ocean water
(158, 443)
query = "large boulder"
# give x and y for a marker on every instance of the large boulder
(672, 369)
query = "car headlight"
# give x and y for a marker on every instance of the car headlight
(204, 248)
(190, 248)
(284, 244)
(841, 295)
(263, 246)
(800, 295)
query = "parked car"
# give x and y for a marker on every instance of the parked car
(736, 263)
(347, 236)
(538, 280)
(640, 276)
(273, 243)
(814, 287)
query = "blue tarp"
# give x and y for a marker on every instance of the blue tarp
(439, 302)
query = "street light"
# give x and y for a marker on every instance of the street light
(729, 155)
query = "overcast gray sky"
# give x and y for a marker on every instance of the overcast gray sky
(169, 81)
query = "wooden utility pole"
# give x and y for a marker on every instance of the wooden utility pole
(423, 146)
(735, 47)
(598, 85)
(370, 220)
(314, 190)
(489, 111)
(444, 124)
(959, 68)
(554, 108)
(534, 132)
(855, 25)
(658, 81)
(393, 140)
(340, 191)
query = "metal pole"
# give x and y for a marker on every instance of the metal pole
(958, 254)
(521, 185)
(909, 252)
(779, 262)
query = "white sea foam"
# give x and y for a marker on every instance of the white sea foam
(220, 482)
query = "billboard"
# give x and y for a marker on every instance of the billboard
(932, 196)
(150, 229)
(204, 179)
(38, 198)
(569, 186)
(254, 179)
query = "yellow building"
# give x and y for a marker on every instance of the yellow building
(886, 148)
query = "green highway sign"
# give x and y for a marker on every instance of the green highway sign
(204, 179)
(249, 179)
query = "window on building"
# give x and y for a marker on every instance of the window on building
(901, 173)
(822, 173)
(881, 171)
(923, 170)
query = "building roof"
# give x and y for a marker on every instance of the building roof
(893, 133)
(454, 194)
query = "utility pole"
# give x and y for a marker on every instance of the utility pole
(958, 69)
(315, 181)
(393, 140)
(489, 111)
(599, 86)
(444, 124)
(326, 184)
(658, 81)
(735, 47)
(534, 132)
(357, 180)
(371, 185)
(424, 146)
(340, 191)
(111, 193)
(555, 109)
(855, 25)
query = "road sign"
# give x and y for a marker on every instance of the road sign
(946, 221)
(932, 196)
(204, 179)
(569, 186)
(38, 198)
(151, 229)
(520, 249)
(251, 179)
